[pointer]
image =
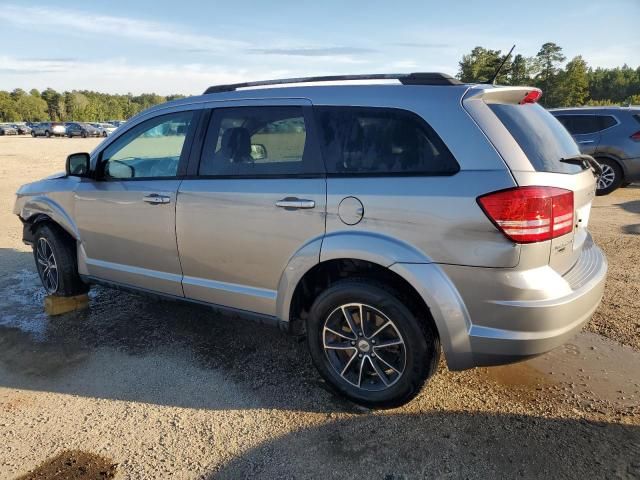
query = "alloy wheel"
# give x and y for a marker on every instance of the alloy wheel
(607, 177)
(364, 346)
(47, 266)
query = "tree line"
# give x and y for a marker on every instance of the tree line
(573, 83)
(78, 105)
(570, 84)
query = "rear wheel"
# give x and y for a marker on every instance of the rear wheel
(47, 133)
(84, 134)
(33, 134)
(368, 345)
(56, 262)
(611, 177)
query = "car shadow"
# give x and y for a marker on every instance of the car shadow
(136, 348)
(632, 206)
(445, 445)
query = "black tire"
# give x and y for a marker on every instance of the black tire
(612, 173)
(69, 135)
(64, 255)
(33, 134)
(421, 345)
(104, 134)
(47, 133)
(84, 134)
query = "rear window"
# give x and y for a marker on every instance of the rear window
(381, 141)
(541, 137)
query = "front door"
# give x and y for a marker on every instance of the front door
(257, 198)
(126, 217)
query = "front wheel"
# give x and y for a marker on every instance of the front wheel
(56, 263)
(369, 346)
(47, 134)
(611, 177)
(33, 134)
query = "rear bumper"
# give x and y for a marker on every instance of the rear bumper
(514, 315)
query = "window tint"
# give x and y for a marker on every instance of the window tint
(606, 121)
(580, 124)
(364, 140)
(256, 141)
(541, 137)
(151, 149)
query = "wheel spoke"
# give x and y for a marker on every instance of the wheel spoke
(388, 343)
(387, 363)
(379, 372)
(346, 367)
(338, 334)
(42, 262)
(350, 321)
(384, 325)
(339, 346)
(360, 372)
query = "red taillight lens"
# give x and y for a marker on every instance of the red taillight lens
(530, 214)
(636, 136)
(531, 97)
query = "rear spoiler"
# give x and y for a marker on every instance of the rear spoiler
(513, 95)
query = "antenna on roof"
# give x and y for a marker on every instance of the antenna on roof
(492, 80)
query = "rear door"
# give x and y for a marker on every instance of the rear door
(256, 197)
(533, 143)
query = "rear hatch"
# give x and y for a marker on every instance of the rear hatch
(539, 152)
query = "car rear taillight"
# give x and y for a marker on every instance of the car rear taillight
(636, 136)
(531, 97)
(530, 214)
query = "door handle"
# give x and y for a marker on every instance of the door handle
(156, 198)
(295, 203)
(585, 141)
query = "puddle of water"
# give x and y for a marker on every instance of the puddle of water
(589, 364)
(73, 465)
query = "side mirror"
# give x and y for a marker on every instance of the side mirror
(78, 164)
(258, 151)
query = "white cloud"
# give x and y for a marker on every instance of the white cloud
(84, 22)
(119, 75)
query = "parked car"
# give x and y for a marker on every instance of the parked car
(49, 129)
(105, 128)
(84, 130)
(6, 129)
(116, 123)
(382, 221)
(22, 128)
(612, 136)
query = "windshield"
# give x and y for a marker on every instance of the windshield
(542, 138)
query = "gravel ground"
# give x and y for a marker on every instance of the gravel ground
(162, 389)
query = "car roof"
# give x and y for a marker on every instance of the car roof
(596, 109)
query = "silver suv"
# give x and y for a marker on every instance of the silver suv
(382, 221)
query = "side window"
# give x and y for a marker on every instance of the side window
(149, 150)
(363, 140)
(257, 141)
(606, 121)
(580, 124)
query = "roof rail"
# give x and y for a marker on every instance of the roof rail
(418, 78)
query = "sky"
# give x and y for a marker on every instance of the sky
(184, 46)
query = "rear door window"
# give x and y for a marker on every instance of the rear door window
(380, 141)
(542, 138)
(581, 124)
(258, 141)
(607, 121)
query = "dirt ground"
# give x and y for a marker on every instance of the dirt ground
(139, 388)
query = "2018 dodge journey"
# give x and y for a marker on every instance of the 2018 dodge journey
(384, 221)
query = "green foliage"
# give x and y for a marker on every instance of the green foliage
(575, 84)
(82, 105)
